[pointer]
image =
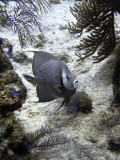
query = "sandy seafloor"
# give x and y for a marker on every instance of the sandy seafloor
(94, 79)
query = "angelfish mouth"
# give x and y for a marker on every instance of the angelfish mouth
(75, 84)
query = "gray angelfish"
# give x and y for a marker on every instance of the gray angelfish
(53, 78)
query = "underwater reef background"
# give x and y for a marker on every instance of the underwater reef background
(13, 92)
(93, 133)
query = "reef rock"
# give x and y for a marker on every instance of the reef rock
(12, 90)
(114, 138)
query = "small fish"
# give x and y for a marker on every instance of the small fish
(14, 92)
(38, 70)
(27, 78)
(9, 54)
(30, 79)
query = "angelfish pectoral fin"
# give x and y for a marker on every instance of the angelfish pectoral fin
(75, 76)
(58, 88)
(30, 79)
(64, 102)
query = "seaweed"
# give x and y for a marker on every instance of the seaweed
(24, 17)
(97, 18)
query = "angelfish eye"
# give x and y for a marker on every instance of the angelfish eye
(76, 81)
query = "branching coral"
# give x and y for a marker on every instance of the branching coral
(24, 17)
(97, 17)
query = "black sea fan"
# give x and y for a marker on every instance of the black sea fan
(34, 142)
(97, 17)
(20, 148)
(24, 17)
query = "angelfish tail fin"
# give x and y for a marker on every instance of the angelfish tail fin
(30, 79)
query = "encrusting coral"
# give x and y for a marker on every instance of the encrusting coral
(97, 17)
